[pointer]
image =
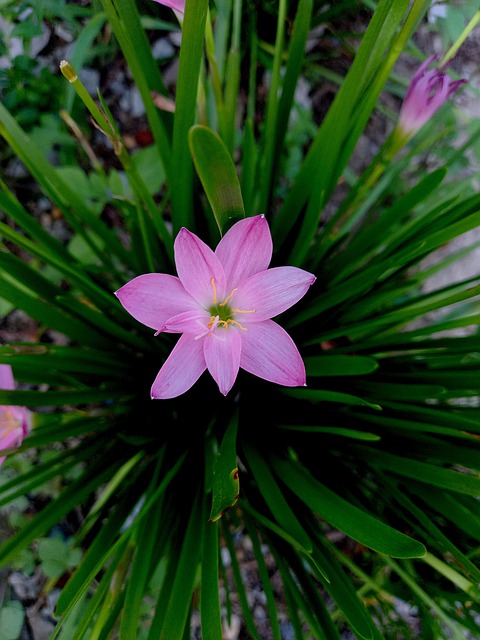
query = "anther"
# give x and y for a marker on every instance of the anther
(243, 310)
(214, 291)
(222, 304)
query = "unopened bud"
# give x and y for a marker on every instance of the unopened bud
(68, 71)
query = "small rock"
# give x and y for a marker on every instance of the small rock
(162, 49)
(231, 632)
(226, 560)
(40, 627)
(175, 38)
(26, 588)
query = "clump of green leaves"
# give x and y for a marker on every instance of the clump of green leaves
(29, 90)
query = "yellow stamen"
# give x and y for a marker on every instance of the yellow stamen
(214, 291)
(230, 321)
(222, 304)
(243, 310)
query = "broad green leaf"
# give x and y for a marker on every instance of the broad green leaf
(342, 591)
(239, 584)
(321, 395)
(12, 617)
(124, 19)
(343, 515)
(322, 166)
(181, 175)
(339, 365)
(147, 539)
(211, 617)
(225, 474)
(401, 390)
(265, 578)
(218, 175)
(176, 615)
(59, 398)
(73, 495)
(421, 471)
(275, 498)
(64, 194)
(277, 120)
(336, 431)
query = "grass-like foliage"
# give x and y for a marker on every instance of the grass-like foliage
(360, 487)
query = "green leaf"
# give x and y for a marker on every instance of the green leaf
(82, 48)
(321, 395)
(279, 113)
(225, 474)
(275, 499)
(211, 617)
(218, 175)
(422, 471)
(343, 515)
(176, 615)
(12, 617)
(339, 365)
(335, 138)
(124, 19)
(336, 431)
(181, 177)
(342, 591)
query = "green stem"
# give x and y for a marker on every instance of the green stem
(456, 578)
(138, 184)
(460, 40)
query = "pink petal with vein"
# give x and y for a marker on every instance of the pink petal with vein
(12, 438)
(177, 5)
(245, 249)
(270, 353)
(197, 265)
(181, 370)
(6, 377)
(153, 298)
(194, 322)
(222, 353)
(271, 292)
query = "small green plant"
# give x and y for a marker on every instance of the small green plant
(29, 90)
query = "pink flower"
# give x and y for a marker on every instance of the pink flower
(14, 421)
(425, 95)
(222, 303)
(176, 5)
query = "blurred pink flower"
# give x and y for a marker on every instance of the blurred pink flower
(427, 92)
(222, 303)
(14, 421)
(176, 5)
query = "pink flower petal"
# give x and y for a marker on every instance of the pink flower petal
(222, 351)
(193, 322)
(181, 370)
(153, 298)
(199, 269)
(270, 293)
(10, 438)
(270, 353)
(6, 377)
(177, 5)
(245, 249)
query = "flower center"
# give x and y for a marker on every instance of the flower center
(7, 423)
(222, 314)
